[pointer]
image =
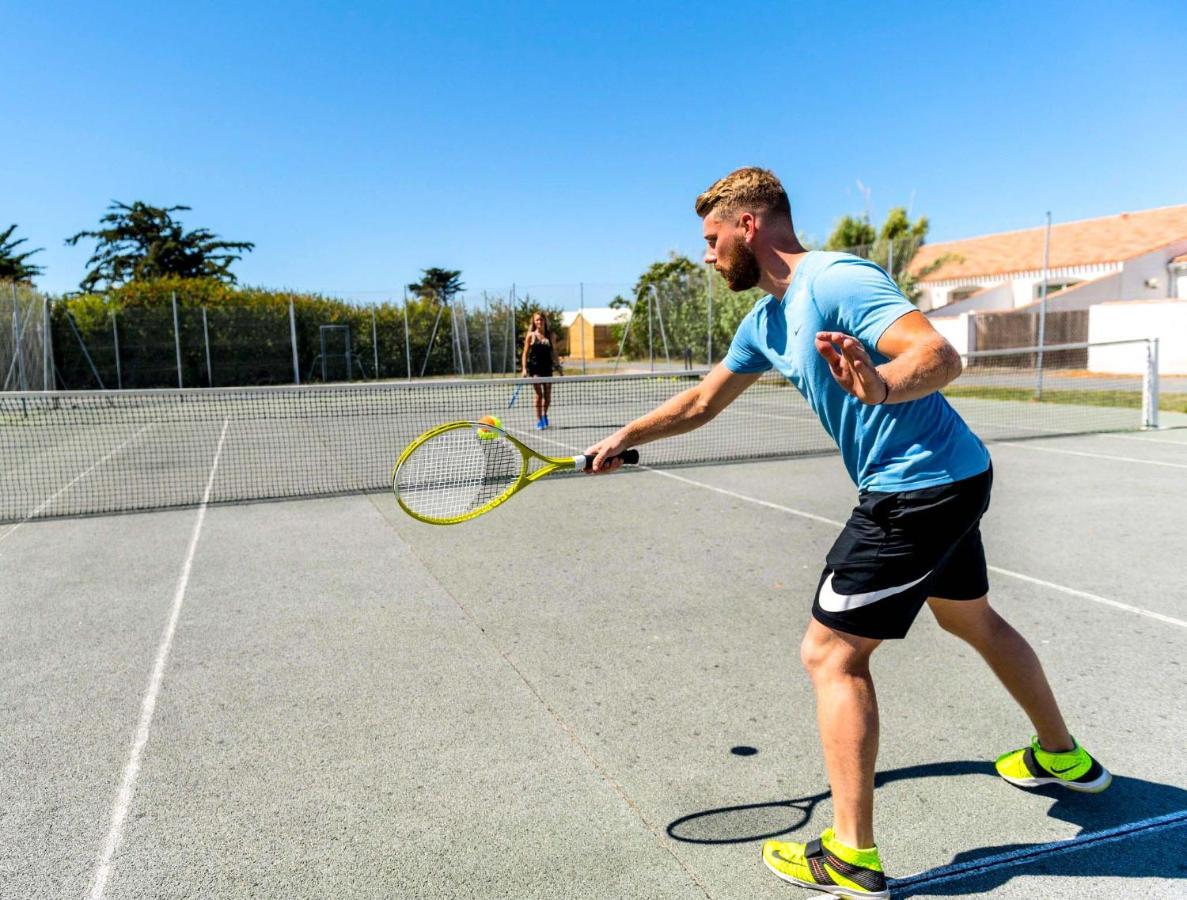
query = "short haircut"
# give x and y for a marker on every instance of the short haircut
(748, 188)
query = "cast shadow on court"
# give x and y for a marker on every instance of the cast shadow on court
(1128, 800)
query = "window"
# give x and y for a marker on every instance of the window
(963, 293)
(1053, 286)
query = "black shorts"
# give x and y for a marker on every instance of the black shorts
(897, 550)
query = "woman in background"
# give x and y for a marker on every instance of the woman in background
(539, 360)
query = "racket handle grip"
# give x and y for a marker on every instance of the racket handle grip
(628, 457)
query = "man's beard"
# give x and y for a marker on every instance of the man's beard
(743, 272)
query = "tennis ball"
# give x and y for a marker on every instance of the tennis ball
(485, 434)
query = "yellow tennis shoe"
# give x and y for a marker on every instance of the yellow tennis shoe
(1033, 766)
(827, 865)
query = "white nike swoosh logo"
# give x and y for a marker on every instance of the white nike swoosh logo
(831, 601)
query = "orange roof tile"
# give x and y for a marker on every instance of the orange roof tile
(1089, 241)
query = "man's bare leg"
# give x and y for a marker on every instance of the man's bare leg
(1013, 661)
(847, 715)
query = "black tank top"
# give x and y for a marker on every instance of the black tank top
(540, 356)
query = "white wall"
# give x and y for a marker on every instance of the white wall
(957, 330)
(1180, 277)
(1163, 319)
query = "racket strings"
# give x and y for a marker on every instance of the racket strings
(457, 472)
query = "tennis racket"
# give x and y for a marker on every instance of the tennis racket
(514, 396)
(457, 472)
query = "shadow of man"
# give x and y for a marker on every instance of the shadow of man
(1132, 810)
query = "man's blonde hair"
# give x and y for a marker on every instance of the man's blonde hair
(748, 188)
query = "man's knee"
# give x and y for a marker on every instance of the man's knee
(824, 652)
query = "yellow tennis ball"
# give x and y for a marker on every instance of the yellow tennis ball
(486, 434)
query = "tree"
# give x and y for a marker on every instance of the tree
(675, 292)
(141, 242)
(893, 246)
(438, 284)
(12, 264)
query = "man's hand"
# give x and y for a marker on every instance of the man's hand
(611, 446)
(852, 367)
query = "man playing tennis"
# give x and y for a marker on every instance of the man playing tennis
(871, 366)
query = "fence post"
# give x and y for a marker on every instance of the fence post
(709, 344)
(293, 341)
(581, 288)
(1043, 308)
(407, 338)
(1150, 385)
(490, 366)
(177, 340)
(16, 340)
(115, 333)
(659, 315)
(206, 339)
(650, 337)
(375, 342)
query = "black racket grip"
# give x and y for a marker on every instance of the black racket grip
(628, 457)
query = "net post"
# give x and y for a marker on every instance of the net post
(293, 341)
(115, 334)
(375, 342)
(206, 340)
(407, 338)
(177, 340)
(1150, 386)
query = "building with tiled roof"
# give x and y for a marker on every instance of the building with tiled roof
(1131, 256)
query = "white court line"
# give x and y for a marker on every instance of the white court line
(123, 800)
(90, 469)
(1084, 595)
(1130, 459)
(1071, 592)
(1144, 440)
(1023, 855)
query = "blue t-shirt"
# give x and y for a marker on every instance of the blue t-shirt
(896, 447)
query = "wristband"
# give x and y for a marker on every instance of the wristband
(886, 385)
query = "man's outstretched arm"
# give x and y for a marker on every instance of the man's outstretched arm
(684, 412)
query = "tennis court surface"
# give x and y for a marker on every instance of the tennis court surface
(592, 692)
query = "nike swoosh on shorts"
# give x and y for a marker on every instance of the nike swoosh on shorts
(831, 601)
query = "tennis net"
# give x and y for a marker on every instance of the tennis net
(78, 453)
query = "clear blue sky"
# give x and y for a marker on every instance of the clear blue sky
(550, 143)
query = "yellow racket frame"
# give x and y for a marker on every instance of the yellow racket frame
(550, 465)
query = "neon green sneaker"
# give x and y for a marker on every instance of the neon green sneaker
(1032, 766)
(827, 865)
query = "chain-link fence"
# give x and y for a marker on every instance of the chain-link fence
(26, 362)
(679, 314)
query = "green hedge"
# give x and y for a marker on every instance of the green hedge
(249, 336)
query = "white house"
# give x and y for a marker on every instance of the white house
(1120, 277)
(1131, 256)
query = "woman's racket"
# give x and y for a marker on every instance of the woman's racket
(457, 472)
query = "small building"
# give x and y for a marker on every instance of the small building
(589, 333)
